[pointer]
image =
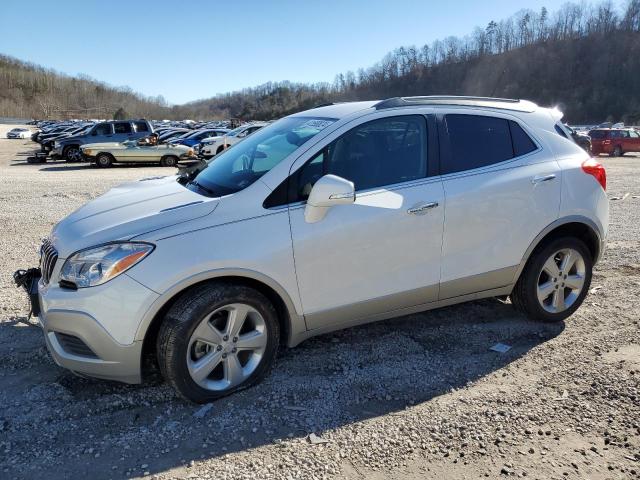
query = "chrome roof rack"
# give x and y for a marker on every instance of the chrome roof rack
(498, 103)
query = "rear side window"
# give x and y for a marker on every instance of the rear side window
(102, 129)
(522, 143)
(560, 131)
(122, 127)
(598, 134)
(141, 126)
(478, 141)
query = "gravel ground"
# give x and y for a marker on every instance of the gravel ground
(420, 396)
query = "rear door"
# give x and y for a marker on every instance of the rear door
(122, 131)
(502, 187)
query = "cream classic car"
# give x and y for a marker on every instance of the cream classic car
(135, 151)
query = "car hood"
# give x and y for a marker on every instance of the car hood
(74, 138)
(127, 211)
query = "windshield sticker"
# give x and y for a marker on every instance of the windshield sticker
(316, 124)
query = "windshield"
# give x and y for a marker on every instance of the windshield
(246, 162)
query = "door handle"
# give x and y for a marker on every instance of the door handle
(422, 208)
(543, 178)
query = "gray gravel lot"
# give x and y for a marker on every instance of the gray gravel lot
(417, 397)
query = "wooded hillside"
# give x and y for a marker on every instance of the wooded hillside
(586, 59)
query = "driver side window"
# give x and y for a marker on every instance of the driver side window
(375, 154)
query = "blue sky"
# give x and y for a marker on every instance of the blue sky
(186, 50)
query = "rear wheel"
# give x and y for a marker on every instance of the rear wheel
(216, 339)
(104, 160)
(169, 161)
(555, 280)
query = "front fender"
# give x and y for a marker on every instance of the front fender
(296, 325)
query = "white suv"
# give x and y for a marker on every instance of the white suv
(333, 217)
(214, 145)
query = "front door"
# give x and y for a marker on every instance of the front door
(381, 253)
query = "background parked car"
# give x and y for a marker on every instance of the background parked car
(215, 145)
(581, 138)
(199, 135)
(19, 133)
(106, 154)
(615, 142)
(114, 131)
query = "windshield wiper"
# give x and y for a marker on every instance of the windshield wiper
(202, 187)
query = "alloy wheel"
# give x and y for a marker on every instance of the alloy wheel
(74, 154)
(226, 347)
(561, 280)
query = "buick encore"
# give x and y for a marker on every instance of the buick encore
(336, 216)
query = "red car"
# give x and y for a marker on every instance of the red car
(614, 141)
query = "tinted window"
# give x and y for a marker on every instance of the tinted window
(102, 129)
(522, 143)
(375, 154)
(141, 126)
(122, 127)
(477, 141)
(560, 131)
(598, 133)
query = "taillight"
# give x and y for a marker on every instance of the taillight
(596, 170)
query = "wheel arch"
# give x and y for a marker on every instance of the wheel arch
(291, 324)
(575, 226)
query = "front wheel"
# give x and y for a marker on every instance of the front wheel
(72, 154)
(216, 339)
(555, 280)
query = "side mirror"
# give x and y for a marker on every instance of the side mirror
(328, 192)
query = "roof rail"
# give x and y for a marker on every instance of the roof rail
(499, 103)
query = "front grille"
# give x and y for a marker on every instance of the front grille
(48, 259)
(75, 346)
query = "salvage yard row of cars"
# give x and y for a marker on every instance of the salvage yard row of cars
(125, 141)
(104, 143)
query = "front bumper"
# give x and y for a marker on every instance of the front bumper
(98, 355)
(91, 331)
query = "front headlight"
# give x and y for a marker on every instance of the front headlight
(98, 265)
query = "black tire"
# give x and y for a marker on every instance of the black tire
(617, 152)
(104, 160)
(220, 149)
(72, 153)
(169, 161)
(186, 314)
(524, 295)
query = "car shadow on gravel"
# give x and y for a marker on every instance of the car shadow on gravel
(325, 383)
